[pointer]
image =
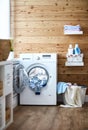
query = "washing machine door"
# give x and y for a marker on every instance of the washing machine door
(38, 78)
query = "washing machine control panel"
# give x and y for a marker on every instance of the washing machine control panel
(38, 58)
(43, 57)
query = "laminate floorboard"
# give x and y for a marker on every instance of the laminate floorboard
(50, 118)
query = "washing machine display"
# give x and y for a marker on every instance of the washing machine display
(42, 73)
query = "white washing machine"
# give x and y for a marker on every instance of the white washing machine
(42, 73)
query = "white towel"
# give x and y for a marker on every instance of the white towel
(73, 97)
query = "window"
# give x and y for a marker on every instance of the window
(4, 19)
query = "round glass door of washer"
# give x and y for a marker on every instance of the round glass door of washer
(38, 77)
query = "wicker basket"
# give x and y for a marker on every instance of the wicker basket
(4, 49)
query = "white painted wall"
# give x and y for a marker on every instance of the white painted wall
(4, 19)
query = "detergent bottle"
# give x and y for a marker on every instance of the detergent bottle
(76, 49)
(70, 50)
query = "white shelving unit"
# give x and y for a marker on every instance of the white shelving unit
(73, 32)
(6, 94)
(73, 60)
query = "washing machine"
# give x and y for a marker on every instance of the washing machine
(41, 69)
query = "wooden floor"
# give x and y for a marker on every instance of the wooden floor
(50, 118)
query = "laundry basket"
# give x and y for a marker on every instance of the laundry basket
(83, 94)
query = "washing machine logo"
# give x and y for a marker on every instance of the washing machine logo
(38, 78)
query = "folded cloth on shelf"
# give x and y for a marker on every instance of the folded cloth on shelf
(61, 87)
(72, 28)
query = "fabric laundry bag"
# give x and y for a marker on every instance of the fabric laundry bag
(75, 96)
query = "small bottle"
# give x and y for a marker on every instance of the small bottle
(76, 49)
(70, 50)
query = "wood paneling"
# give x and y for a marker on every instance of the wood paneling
(38, 27)
(51, 39)
(78, 3)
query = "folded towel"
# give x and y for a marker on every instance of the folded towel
(61, 87)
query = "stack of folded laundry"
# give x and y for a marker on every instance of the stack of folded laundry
(71, 28)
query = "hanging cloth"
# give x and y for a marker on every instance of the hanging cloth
(19, 78)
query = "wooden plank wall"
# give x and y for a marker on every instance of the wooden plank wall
(38, 26)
